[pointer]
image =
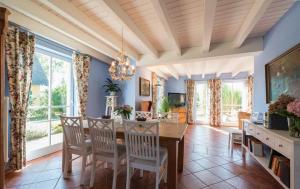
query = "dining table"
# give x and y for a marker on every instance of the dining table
(171, 136)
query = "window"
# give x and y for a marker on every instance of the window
(160, 92)
(202, 102)
(51, 94)
(234, 99)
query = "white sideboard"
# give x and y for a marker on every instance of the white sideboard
(281, 142)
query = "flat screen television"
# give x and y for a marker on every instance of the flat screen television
(177, 99)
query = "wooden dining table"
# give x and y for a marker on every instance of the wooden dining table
(171, 136)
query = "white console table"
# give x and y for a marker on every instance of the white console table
(279, 141)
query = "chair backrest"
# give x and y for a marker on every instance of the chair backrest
(169, 117)
(103, 135)
(73, 131)
(143, 114)
(142, 139)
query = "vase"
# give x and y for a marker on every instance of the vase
(112, 93)
(277, 122)
(294, 127)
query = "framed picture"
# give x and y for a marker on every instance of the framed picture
(283, 75)
(144, 87)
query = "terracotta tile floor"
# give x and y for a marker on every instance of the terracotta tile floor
(208, 164)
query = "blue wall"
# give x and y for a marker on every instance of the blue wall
(146, 74)
(96, 93)
(283, 36)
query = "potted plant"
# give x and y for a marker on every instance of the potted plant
(165, 105)
(278, 112)
(293, 109)
(124, 111)
(111, 87)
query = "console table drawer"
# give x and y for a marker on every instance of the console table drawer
(268, 140)
(251, 130)
(259, 134)
(283, 147)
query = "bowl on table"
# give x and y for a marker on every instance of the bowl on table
(141, 119)
(106, 117)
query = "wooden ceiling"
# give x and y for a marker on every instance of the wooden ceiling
(158, 32)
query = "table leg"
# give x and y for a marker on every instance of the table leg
(172, 164)
(180, 154)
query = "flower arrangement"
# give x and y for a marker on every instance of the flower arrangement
(125, 111)
(294, 108)
(280, 106)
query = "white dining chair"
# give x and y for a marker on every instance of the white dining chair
(76, 143)
(168, 117)
(105, 147)
(143, 150)
(143, 114)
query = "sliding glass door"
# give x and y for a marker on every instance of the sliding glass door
(201, 112)
(51, 95)
(234, 99)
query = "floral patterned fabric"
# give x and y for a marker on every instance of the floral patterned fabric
(250, 93)
(154, 94)
(19, 50)
(190, 91)
(82, 68)
(215, 102)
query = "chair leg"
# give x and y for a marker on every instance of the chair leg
(141, 173)
(128, 176)
(83, 164)
(66, 164)
(166, 172)
(93, 172)
(231, 145)
(157, 180)
(115, 167)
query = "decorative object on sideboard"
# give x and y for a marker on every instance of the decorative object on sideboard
(278, 112)
(111, 87)
(283, 75)
(120, 68)
(144, 87)
(106, 116)
(293, 109)
(165, 105)
(124, 111)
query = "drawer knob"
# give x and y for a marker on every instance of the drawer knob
(280, 145)
(267, 138)
(257, 133)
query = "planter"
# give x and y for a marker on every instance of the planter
(294, 127)
(278, 122)
(112, 93)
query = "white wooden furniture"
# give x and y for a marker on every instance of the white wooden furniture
(75, 142)
(111, 103)
(168, 117)
(143, 150)
(143, 114)
(235, 137)
(105, 147)
(281, 142)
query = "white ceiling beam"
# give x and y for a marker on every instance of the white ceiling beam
(69, 11)
(52, 34)
(159, 73)
(251, 47)
(165, 20)
(38, 13)
(172, 71)
(118, 13)
(208, 23)
(258, 9)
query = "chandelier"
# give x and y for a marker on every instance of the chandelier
(120, 68)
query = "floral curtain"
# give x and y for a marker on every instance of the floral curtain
(154, 94)
(250, 93)
(190, 88)
(215, 102)
(19, 50)
(81, 64)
